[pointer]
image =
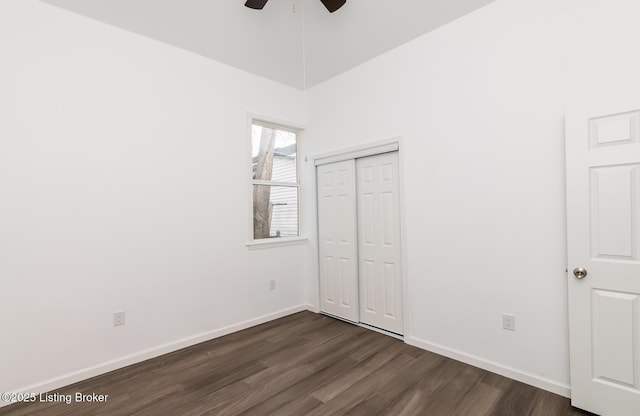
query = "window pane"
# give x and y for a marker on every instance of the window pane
(275, 211)
(274, 154)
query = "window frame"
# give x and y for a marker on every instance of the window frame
(280, 241)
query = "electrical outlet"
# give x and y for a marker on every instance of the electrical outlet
(509, 322)
(119, 318)
(272, 285)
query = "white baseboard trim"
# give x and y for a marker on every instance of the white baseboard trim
(512, 373)
(96, 370)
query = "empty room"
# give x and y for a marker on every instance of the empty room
(320, 207)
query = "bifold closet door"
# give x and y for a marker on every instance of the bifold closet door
(379, 249)
(337, 239)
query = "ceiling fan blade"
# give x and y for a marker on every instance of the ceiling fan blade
(333, 5)
(256, 4)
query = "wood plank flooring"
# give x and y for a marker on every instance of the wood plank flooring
(303, 364)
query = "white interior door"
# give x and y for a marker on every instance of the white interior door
(337, 239)
(603, 209)
(379, 253)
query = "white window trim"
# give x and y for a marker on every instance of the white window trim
(253, 244)
(276, 242)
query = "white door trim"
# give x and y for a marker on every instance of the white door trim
(357, 154)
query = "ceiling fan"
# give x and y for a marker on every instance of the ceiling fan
(331, 5)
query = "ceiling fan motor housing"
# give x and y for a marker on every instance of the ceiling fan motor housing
(331, 5)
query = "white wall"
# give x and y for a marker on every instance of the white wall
(124, 185)
(479, 105)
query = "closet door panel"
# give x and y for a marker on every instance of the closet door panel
(379, 251)
(337, 239)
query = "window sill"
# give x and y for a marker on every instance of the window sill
(276, 242)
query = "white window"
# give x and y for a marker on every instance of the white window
(275, 183)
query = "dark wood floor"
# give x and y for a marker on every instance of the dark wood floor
(304, 364)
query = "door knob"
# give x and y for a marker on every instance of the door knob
(580, 273)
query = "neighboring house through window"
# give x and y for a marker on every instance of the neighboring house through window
(274, 151)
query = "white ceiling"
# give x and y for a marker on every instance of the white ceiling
(295, 42)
